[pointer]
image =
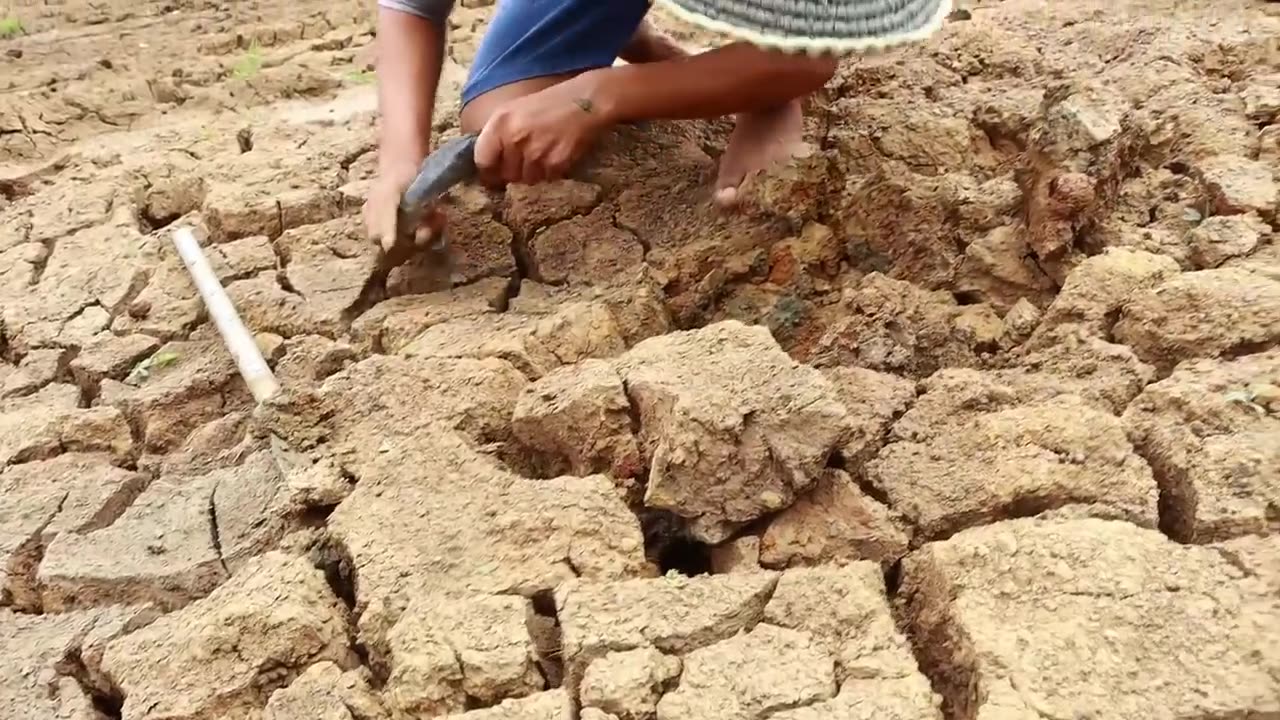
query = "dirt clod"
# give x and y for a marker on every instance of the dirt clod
(224, 654)
(1115, 585)
(733, 428)
(1214, 454)
(629, 684)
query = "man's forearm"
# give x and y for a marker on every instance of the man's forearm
(410, 56)
(732, 79)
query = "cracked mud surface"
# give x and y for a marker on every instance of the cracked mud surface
(972, 414)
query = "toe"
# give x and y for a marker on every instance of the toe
(726, 197)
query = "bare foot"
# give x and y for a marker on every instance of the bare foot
(759, 141)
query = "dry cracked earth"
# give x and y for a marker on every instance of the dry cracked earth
(973, 413)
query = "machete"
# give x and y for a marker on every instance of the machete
(452, 163)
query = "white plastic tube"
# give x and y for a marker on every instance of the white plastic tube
(239, 341)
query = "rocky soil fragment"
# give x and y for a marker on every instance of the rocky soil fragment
(1223, 237)
(895, 327)
(1069, 360)
(186, 384)
(1257, 556)
(475, 527)
(72, 493)
(628, 684)
(835, 521)
(655, 178)
(160, 550)
(392, 324)
(1100, 286)
(546, 328)
(1214, 447)
(733, 427)
(40, 677)
(110, 356)
(673, 614)
(549, 705)
(845, 610)
(637, 303)
(446, 654)
(1031, 618)
(530, 208)
(323, 278)
(225, 654)
(326, 692)
(50, 421)
(750, 676)
(1209, 313)
(328, 265)
(580, 414)
(971, 452)
(535, 345)
(88, 278)
(182, 536)
(309, 359)
(1239, 185)
(874, 400)
(37, 369)
(587, 249)
(371, 403)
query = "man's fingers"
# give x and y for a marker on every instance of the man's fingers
(430, 228)
(532, 173)
(488, 150)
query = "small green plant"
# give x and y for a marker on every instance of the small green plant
(142, 370)
(11, 26)
(363, 76)
(248, 65)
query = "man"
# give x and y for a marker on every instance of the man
(543, 86)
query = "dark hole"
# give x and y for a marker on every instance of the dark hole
(332, 557)
(668, 545)
(967, 297)
(687, 557)
(893, 578)
(109, 705)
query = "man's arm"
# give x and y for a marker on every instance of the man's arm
(733, 79)
(411, 41)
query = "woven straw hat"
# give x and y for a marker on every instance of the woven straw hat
(816, 26)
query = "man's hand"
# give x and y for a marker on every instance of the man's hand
(540, 136)
(380, 210)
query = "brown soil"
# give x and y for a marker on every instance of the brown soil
(972, 413)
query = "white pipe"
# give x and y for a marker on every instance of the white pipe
(262, 383)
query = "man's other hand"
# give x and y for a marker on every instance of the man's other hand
(539, 137)
(380, 210)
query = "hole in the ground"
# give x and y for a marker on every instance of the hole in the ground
(332, 557)
(543, 625)
(106, 699)
(669, 545)
(109, 705)
(244, 138)
(966, 297)
(893, 578)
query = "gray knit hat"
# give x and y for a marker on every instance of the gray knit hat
(816, 26)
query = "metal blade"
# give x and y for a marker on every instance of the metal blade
(451, 163)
